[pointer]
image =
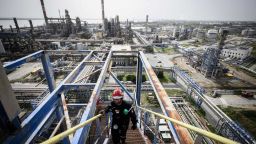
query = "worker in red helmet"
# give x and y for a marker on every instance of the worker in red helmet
(122, 112)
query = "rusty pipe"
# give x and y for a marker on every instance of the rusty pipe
(165, 102)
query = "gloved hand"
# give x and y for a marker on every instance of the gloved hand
(134, 127)
(102, 112)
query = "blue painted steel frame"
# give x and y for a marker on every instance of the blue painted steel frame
(68, 86)
(82, 134)
(23, 60)
(48, 71)
(138, 80)
(33, 123)
(138, 88)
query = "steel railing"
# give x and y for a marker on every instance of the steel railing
(193, 128)
(64, 134)
(200, 131)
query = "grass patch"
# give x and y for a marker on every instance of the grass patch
(175, 92)
(163, 77)
(120, 77)
(130, 77)
(253, 50)
(173, 80)
(149, 100)
(211, 128)
(246, 118)
(201, 112)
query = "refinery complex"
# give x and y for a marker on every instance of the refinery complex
(187, 81)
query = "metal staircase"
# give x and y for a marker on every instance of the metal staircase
(40, 98)
(134, 136)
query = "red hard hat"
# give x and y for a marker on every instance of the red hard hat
(117, 94)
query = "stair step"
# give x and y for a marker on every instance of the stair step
(133, 135)
(133, 142)
(130, 141)
(134, 139)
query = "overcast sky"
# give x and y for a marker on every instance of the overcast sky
(136, 9)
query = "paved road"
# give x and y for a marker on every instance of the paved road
(233, 100)
(165, 59)
(241, 75)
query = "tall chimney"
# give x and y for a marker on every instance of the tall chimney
(11, 28)
(103, 16)
(1, 27)
(16, 25)
(31, 26)
(146, 24)
(44, 12)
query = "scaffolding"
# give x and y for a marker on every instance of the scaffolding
(210, 63)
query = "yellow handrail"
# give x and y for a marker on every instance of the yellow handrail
(216, 137)
(195, 129)
(64, 134)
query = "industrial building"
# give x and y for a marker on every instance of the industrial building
(212, 35)
(248, 32)
(236, 52)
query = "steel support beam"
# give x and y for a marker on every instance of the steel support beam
(48, 71)
(138, 87)
(138, 81)
(180, 134)
(87, 75)
(53, 52)
(67, 52)
(66, 115)
(82, 134)
(23, 60)
(36, 119)
(32, 124)
(97, 57)
(40, 124)
(94, 63)
(76, 104)
(78, 86)
(57, 127)
(79, 68)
